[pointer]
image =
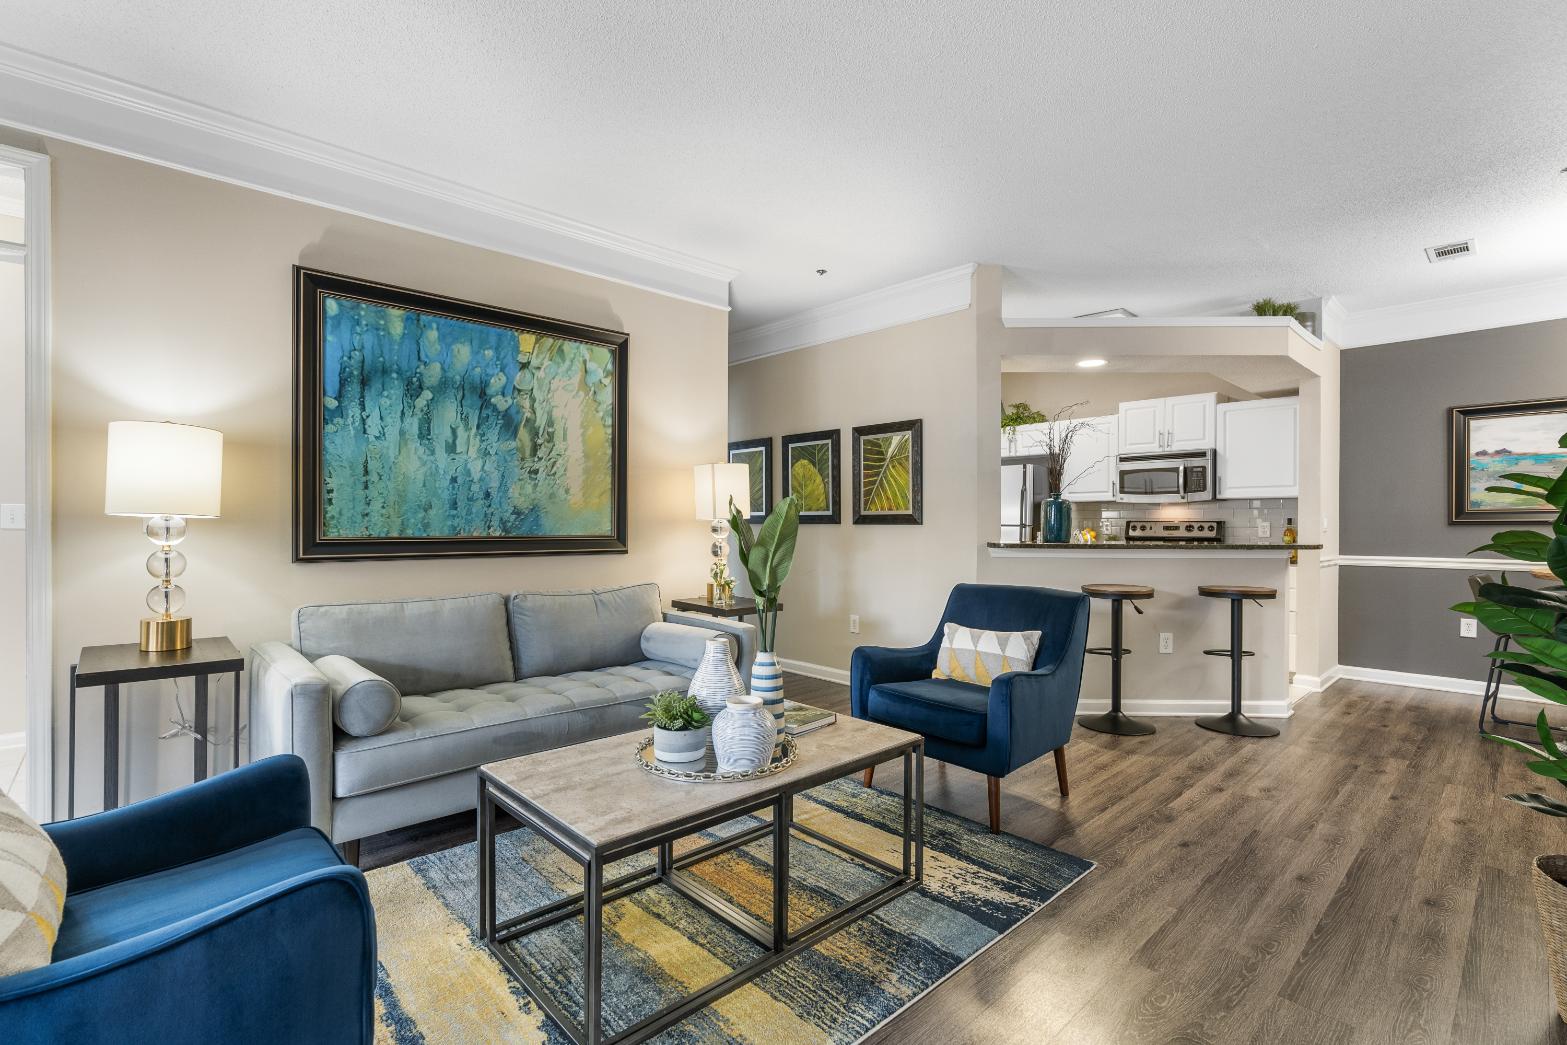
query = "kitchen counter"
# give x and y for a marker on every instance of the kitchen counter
(1144, 548)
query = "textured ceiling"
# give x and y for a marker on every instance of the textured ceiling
(1168, 158)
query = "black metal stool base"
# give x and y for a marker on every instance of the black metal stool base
(1116, 724)
(1236, 724)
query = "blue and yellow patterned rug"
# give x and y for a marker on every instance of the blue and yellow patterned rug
(439, 985)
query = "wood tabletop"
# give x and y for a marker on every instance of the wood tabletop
(128, 662)
(739, 606)
(598, 793)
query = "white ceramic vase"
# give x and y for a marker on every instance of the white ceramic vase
(680, 745)
(716, 679)
(767, 683)
(743, 735)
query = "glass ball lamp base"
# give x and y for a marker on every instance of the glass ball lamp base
(165, 634)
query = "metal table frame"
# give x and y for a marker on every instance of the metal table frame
(671, 870)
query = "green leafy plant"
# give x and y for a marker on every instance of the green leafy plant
(885, 485)
(675, 711)
(1536, 618)
(1018, 414)
(767, 555)
(1269, 307)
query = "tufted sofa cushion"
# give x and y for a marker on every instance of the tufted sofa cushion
(456, 729)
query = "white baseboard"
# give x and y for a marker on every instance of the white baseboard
(815, 671)
(1181, 708)
(1446, 683)
(13, 741)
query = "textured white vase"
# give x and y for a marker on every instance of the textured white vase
(743, 735)
(767, 683)
(716, 679)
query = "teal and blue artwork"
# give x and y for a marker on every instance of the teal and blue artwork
(445, 427)
(1502, 439)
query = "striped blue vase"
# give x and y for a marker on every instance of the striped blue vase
(767, 683)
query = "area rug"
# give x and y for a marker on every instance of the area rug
(437, 983)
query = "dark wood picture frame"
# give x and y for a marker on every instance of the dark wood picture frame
(915, 516)
(758, 512)
(834, 482)
(309, 542)
(1458, 456)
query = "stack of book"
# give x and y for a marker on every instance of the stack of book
(800, 719)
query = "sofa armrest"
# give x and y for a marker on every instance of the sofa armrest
(291, 713)
(872, 665)
(257, 964)
(236, 809)
(744, 636)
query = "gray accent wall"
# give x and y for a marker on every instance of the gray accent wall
(1393, 486)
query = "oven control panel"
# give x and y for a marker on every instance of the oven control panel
(1174, 530)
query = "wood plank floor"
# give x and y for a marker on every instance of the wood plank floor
(1358, 880)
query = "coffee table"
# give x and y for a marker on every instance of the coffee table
(595, 804)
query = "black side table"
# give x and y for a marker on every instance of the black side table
(110, 666)
(738, 607)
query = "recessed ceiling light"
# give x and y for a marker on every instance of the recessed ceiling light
(1088, 364)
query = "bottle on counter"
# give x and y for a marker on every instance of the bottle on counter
(1289, 538)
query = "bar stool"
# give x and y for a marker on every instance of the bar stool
(1235, 723)
(1113, 721)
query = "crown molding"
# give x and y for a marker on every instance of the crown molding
(1123, 322)
(63, 101)
(950, 290)
(1457, 314)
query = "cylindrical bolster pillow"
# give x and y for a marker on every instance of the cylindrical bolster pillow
(679, 643)
(363, 703)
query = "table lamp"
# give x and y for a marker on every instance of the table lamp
(165, 473)
(716, 486)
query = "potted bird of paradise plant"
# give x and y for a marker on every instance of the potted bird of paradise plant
(1536, 621)
(766, 555)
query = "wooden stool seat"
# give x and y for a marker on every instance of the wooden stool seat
(1236, 591)
(1118, 591)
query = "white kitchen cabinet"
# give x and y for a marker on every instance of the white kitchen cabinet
(1259, 448)
(1030, 441)
(1090, 467)
(1178, 423)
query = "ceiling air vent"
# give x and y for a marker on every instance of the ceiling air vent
(1449, 251)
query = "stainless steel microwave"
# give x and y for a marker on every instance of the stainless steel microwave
(1161, 477)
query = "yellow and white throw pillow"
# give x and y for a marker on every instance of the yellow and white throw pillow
(32, 891)
(977, 656)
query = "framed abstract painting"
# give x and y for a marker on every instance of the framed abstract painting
(810, 475)
(757, 456)
(888, 473)
(1488, 442)
(426, 427)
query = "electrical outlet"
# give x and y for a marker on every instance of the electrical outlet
(1468, 628)
(13, 516)
(1166, 642)
(1264, 530)
(854, 624)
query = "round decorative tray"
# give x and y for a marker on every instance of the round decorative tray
(706, 770)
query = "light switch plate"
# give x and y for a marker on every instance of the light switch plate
(854, 624)
(1264, 530)
(13, 516)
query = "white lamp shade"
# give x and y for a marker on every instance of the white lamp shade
(162, 468)
(716, 484)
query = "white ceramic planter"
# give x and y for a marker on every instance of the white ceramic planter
(680, 745)
(743, 735)
(767, 683)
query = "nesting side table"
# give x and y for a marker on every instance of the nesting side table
(111, 666)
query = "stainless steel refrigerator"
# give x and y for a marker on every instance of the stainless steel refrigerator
(1022, 486)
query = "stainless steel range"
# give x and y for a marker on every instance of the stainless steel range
(1203, 532)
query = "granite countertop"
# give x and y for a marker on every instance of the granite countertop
(1157, 546)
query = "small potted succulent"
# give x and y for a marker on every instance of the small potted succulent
(681, 728)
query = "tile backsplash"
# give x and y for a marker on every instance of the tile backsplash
(1240, 518)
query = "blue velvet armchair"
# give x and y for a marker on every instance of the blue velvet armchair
(994, 730)
(215, 913)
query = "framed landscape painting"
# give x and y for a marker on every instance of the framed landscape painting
(888, 473)
(757, 456)
(1487, 442)
(810, 463)
(430, 427)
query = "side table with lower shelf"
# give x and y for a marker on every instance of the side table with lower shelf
(114, 666)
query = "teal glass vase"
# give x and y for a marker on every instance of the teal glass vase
(1058, 520)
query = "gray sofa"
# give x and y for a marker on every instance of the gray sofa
(482, 677)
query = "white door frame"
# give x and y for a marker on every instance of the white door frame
(39, 684)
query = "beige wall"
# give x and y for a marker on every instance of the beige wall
(895, 577)
(1102, 394)
(172, 299)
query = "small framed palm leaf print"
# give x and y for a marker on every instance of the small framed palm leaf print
(888, 473)
(810, 463)
(757, 456)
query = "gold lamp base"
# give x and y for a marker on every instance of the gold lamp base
(165, 634)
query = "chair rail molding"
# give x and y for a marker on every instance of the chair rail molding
(64, 101)
(950, 290)
(1420, 562)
